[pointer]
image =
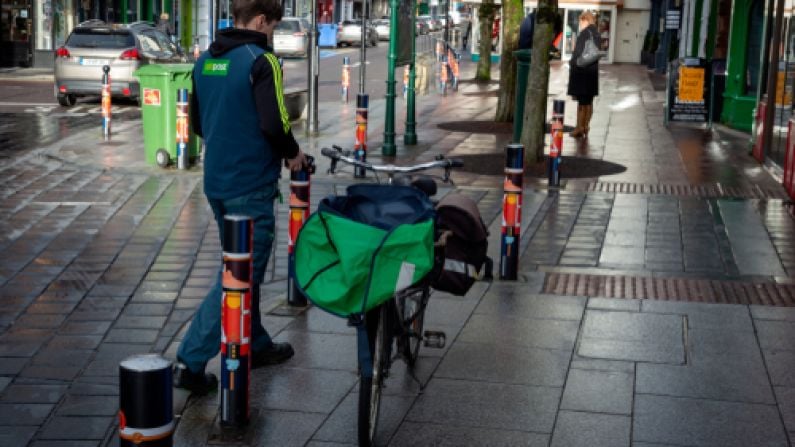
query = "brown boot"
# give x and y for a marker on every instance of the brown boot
(578, 130)
(586, 120)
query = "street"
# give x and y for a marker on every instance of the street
(654, 303)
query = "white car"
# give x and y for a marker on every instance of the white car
(291, 37)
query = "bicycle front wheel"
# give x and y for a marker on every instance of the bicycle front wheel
(370, 388)
(413, 321)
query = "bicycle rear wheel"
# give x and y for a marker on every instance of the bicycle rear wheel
(370, 388)
(413, 321)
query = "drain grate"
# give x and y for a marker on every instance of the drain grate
(670, 289)
(673, 189)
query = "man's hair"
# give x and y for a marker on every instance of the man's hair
(588, 17)
(245, 10)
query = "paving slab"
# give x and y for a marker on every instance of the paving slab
(341, 426)
(785, 396)
(417, 433)
(776, 335)
(487, 405)
(632, 336)
(598, 392)
(546, 334)
(575, 429)
(698, 422)
(83, 427)
(24, 414)
(517, 303)
(781, 367)
(297, 389)
(705, 315)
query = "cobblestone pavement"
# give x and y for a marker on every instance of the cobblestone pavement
(106, 257)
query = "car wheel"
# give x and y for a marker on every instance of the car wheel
(162, 158)
(67, 100)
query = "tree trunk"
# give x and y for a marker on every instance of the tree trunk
(486, 12)
(533, 129)
(512, 16)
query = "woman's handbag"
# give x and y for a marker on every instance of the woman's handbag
(590, 54)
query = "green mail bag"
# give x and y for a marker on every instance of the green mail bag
(357, 250)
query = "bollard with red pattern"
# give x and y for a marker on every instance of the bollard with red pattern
(556, 145)
(236, 282)
(360, 144)
(346, 78)
(511, 211)
(300, 182)
(182, 125)
(106, 103)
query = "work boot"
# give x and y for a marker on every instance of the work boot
(578, 130)
(272, 355)
(197, 383)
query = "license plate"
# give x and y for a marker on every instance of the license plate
(94, 62)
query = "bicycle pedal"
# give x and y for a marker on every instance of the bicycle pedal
(434, 339)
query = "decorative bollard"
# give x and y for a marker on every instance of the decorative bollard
(511, 211)
(556, 145)
(106, 113)
(196, 51)
(183, 135)
(360, 145)
(300, 182)
(346, 78)
(439, 50)
(452, 60)
(443, 76)
(146, 413)
(406, 81)
(236, 282)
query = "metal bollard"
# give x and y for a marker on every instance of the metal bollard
(300, 182)
(146, 413)
(512, 211)
(346, 78)
(443, 75)
(236, 282)
(452, 60)
(439, 50)
(556, 145)
(106, 112)
(183, 135)
(360, 146)
(196, 50)
(405, 81)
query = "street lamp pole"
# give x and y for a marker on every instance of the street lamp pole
(363, 47)
(410, 137)
(312, 73)
(389, 148)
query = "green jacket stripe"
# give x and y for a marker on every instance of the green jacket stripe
(279, 89)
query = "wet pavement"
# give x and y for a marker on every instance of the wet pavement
(106, 257)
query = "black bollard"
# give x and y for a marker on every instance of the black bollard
(512, 211)
(146, 413)
(556, 145)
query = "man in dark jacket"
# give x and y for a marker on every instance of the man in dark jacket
(238, 108)
(526, 31)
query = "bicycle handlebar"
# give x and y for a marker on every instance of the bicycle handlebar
(337, 154)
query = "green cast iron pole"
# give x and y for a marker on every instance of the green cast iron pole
(389, 148)
(410, 138)
(522, 71)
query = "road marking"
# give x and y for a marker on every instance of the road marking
(26, 104)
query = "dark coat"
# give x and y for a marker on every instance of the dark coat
(526, 32)
(584, 81)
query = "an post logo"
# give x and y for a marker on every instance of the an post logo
(216, 67)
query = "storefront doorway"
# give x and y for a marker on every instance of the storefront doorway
(16, 33)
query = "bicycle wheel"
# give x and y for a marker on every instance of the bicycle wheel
(370, 388)
(413, 321)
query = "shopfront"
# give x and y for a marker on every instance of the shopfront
(16, 33)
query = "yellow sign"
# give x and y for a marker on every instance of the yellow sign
(691, 84)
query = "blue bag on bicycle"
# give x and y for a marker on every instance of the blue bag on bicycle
(356, 251)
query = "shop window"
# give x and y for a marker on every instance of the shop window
(722, 29)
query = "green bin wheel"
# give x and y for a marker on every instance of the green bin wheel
(162, 158)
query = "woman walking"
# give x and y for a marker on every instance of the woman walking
(583, 76)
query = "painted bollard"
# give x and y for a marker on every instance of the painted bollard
(106, 104)
(556, 142)
(439, 50)
(146, 413)
(182, 126)
(452, 60)
(443, 76)
(236, 282)
(360, 144)
(300, 185)
(406, 81)
(346, 78)
(511, 211)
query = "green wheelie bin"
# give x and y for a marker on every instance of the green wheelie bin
(159, 85)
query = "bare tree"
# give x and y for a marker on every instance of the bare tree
(512, 15)
(533, 130)
(486, 12)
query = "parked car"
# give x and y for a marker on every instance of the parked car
(382, 28)
(94, 44)
(291, 37)
(422, 27)
(350, 33)
(433, 25)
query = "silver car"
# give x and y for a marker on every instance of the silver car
(350, 33)
(291, 37)
(382, 29)
(93, 44)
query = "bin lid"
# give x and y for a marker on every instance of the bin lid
(163, 69)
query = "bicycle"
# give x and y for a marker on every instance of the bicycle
(400, 319)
